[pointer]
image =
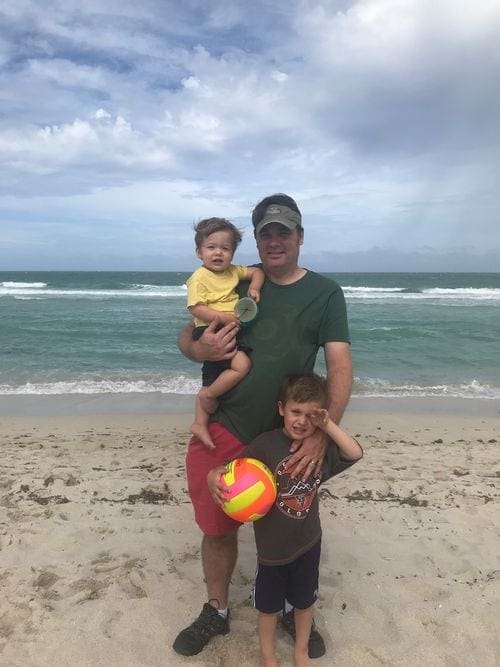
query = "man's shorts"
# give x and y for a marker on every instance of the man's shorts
(297, 582)
(199, 461)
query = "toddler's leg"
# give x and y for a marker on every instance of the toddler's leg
(267, 631)
(303, 624)
(199, 427)
(240, 365)
(206, 400)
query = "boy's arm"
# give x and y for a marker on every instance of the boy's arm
(216, 485)
(350, 449)
(257, 277)
(212, 346)
(207, 314)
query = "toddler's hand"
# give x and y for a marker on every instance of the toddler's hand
(254, 294)
(319, 418)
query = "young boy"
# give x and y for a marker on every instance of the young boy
(288, 538)
(212, 295)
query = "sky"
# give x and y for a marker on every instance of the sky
(123, 123)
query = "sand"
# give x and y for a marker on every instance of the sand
(100, 563)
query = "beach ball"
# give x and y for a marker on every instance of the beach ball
(251, 489)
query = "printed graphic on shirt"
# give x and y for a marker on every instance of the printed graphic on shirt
(294, 496)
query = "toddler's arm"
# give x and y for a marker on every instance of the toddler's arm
(207, 314)
(257, 277)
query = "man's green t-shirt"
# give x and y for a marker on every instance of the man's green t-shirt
(294, 321)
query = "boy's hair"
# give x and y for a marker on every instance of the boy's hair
(209, 226)
(304, 388)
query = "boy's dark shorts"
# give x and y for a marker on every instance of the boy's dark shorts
(211, 370)
(296, 582)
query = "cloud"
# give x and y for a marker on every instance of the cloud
(97, 148)
(380, 116)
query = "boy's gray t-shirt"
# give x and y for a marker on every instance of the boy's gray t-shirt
(292, 525)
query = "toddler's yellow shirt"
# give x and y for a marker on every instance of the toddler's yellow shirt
(215, 290)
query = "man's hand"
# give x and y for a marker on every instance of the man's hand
(307, 455)
(218, 345)
(216, 485)
(212, 346)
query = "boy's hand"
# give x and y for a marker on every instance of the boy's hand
(254, 294)
(216, 485)
(319, 417)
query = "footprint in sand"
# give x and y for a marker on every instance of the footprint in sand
(15, 616)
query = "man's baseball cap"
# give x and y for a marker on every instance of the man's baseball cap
(281, 214)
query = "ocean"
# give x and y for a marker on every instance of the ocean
(93, 333)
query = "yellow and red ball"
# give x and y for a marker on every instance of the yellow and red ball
(251, 489)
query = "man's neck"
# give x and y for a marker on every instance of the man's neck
(286, 276)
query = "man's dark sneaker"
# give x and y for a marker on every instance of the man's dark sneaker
(195, 637)
(316, 645)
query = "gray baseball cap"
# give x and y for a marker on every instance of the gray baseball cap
(281, 214)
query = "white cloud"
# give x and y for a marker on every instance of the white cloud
(379, 114)
(100, 145)
(65, 73)
(101, 113)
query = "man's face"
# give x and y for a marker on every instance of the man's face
(279, 246)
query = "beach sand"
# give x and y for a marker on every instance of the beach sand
(100, 561)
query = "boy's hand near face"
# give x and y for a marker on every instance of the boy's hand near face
(349, 447)
(319, 417)
(307, 456)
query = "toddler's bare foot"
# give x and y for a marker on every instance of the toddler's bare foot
(207, 402)
(201, 432)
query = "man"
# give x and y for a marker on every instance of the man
(299, 312)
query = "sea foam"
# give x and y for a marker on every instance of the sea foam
(173, 385)
(40, 290)
(183, 385)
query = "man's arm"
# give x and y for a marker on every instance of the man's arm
(212, 346)
(339, 377)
